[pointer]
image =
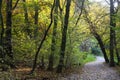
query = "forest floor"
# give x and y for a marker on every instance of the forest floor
(96, 70)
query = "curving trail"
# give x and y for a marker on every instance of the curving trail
(97, 70)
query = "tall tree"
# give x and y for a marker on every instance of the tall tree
(8, 33)
(27, 23)
(1, 30)
(53, 45)
(64, 36)
(116, 48)
(112, 32)
(97, 36)
(115, 41)
(36, 9)
(43, 39)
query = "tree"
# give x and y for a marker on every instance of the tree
(1, 30)
(53, 44)
(98, 38)
(36, 19)
(27, 23)
(8, 33)
(43, 39)
(95, 32)
(115, 25)
(64, 36)
(112, 32)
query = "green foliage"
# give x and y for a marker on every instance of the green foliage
(96, 51)
(24, 47)
(89, 58)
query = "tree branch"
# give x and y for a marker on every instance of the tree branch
(82, 6)
(107, 2)
(43, 39)
(15, 4)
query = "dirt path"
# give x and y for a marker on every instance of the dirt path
(96, 70)
(99, 71)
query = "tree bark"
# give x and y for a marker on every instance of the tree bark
(36, 8)
(112, 25)
(27, 29)
(64, 35)
(1, 23)
(102, 47)
(2, 31)
(116, 49)
(53, 45)
(115, 42)
(8, 33)
(42, 63)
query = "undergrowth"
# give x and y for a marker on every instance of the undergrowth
(89, 58)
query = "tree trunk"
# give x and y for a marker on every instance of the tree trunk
(8, 33)
(1, 24)
(64, 34)
(112, 25)
(1, 30)
(97, 36)
(27, 29)
(115, 43)
(36, 8)
(116, 49)
(53, 45)
(102, 47)
(42, 41)
(117, 54)
(42, 63)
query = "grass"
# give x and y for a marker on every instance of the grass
(90, 58)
